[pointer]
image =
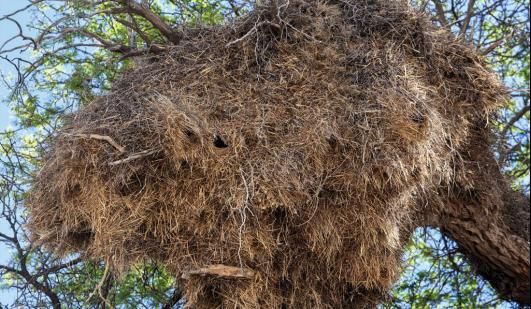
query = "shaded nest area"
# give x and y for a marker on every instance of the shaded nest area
(274, 162)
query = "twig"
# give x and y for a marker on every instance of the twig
(469, 15)
(517, 116)
(106, 138)
(97, 289)
(221, 270)
(135, 156)
(253, 30)
(243, 215)
(175, 298)
(423, 6)
(487, 50)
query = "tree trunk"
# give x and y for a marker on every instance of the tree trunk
(488, 220)
(500, 256)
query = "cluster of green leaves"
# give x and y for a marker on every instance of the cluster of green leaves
(146, 285)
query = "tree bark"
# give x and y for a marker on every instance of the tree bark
(487, 219)
(499, 255)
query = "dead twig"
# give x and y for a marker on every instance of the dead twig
(135, 156)
(106, 138)
(221, 270)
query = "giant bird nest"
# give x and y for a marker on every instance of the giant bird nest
(275, 161)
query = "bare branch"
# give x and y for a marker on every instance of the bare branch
(468, 17)
(221, 271)
(440, 12)
(154, 19)
(106, 138)
(135, 156)
(489, 49)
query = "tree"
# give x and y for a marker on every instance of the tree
(82, 46)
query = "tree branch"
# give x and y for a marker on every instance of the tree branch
(468, 17)
(440, 13)
(487, 218)
(141, 10)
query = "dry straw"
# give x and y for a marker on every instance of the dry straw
(273, 162)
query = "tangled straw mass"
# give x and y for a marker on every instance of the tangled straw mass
(279, 160)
